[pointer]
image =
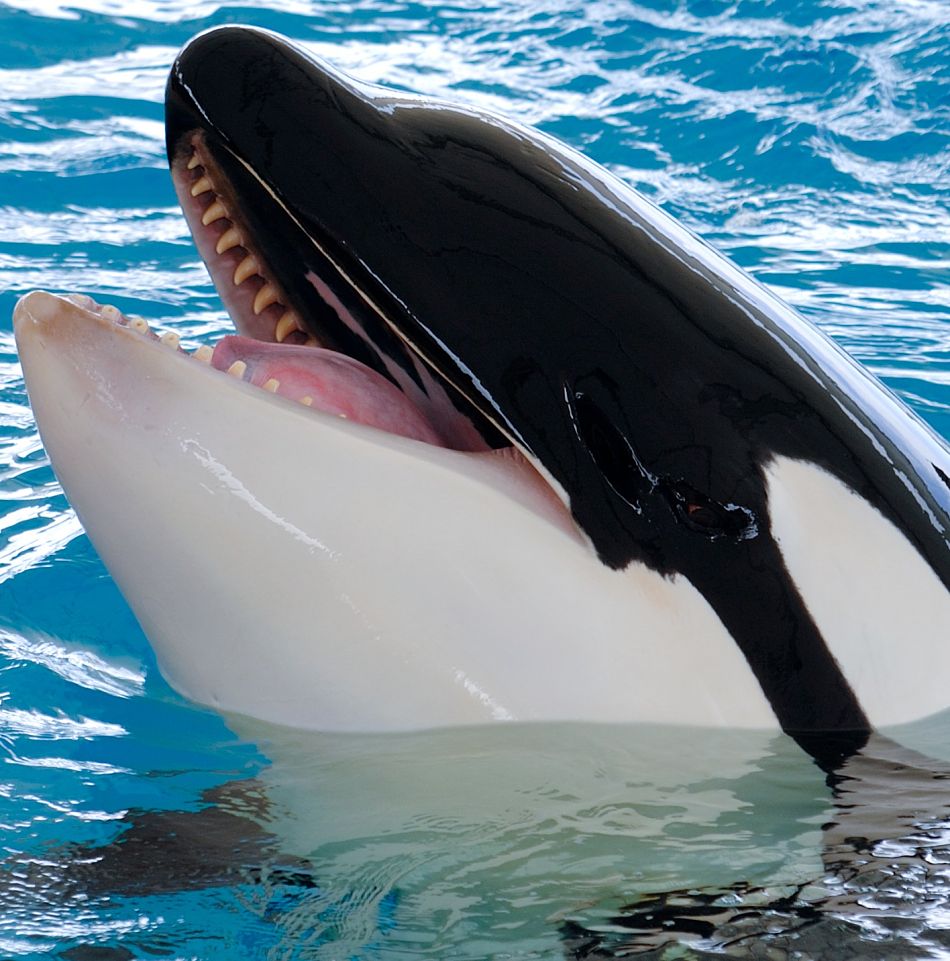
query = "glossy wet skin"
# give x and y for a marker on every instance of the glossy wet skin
(650, 378)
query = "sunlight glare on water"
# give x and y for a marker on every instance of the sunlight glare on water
(807, 140)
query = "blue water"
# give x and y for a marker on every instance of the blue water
(806, 138)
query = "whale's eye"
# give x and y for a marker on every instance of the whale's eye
(706, 516)
(702, 515)
(621, 468)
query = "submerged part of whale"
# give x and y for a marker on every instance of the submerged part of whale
(602, 841)
(501, 440)
(886, 860)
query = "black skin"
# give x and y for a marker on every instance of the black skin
(651, 379)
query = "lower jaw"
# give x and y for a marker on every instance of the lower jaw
(321, 379)
(505, 469)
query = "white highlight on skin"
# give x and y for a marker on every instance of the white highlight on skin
(234, 485)
(498, 712)
(882, 611)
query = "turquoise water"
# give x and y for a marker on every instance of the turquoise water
(809, 140)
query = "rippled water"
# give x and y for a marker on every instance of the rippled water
(807, 139)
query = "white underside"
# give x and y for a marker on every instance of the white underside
(307, 571)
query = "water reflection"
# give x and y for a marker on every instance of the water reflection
(575, 841)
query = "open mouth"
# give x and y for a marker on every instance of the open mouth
(278, 346)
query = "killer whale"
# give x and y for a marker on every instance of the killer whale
(698, 509)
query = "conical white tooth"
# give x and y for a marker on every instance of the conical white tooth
(170, 339)
(111, 313)
(200, 186)
(204, 353)
(195, 161)
(306, 401)
(311, 341)
(285, 326)
(237, 368)
(248, 267)
(266, 296)
(230, 238)
(272, 384)
(82, 300)
(215, 212)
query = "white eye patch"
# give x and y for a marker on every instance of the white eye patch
(881, 609)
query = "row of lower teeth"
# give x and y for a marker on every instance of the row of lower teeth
(138, 324)
(239, 368)
(170, 338)
(249, 267)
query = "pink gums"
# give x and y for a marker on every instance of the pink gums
(335, 384)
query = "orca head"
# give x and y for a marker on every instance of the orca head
(524, 296)
(519, 294)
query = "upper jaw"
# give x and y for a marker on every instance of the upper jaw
(250, 210)
(248, 286)
(351, 377)
(282, 285)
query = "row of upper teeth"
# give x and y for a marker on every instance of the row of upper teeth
(204, 353)
(249, 267)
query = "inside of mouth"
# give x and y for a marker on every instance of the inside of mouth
(273, 349)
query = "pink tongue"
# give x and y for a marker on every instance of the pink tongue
(335, 383)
